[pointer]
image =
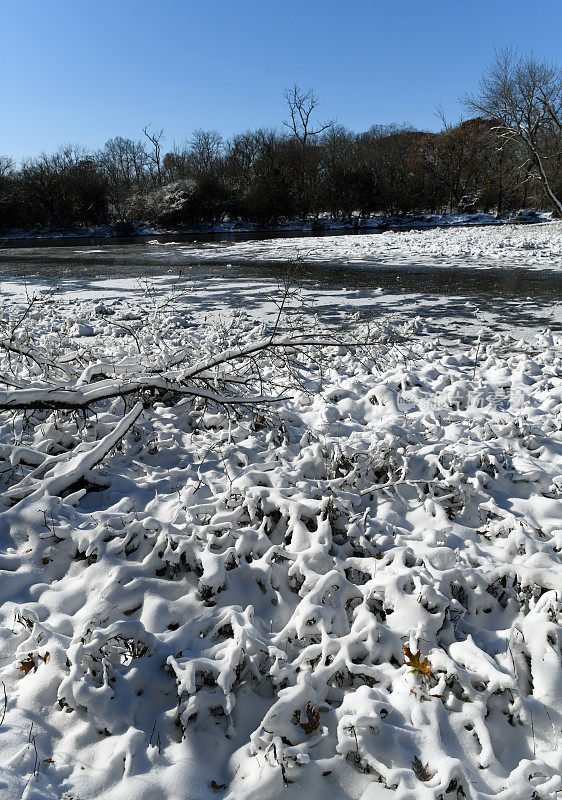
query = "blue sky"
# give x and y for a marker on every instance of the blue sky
(86, 70)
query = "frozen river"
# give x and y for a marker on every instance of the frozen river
(504, 277)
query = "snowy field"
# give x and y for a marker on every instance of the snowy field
(352, 592)
(503, 246)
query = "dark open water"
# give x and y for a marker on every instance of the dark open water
(515, 295)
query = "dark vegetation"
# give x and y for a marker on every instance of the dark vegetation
(507, 156)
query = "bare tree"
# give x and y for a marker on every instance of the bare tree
(242, 152)
(454, 159)
(156, 139)
(124, 160)
(523, 96)
(301, 105)
(6, 166)
(206, 149)
(175, 164)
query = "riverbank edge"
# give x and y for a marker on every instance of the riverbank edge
(323, 225)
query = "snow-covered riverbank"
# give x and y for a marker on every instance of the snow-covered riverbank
(357, 596)
(324, 223)
(500, 247)
(209, 296)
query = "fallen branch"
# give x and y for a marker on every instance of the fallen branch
(16, 454)
(82, 398)
(77, 467)
(35, 356)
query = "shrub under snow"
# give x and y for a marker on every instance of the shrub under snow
(355, 593)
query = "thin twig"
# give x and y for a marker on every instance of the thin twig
(5, 703)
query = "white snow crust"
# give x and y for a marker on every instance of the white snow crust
(222, 609)
(507, 246)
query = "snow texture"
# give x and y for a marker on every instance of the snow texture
(505, 246)
(357, 594)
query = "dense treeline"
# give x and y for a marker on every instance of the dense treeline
(496, 161)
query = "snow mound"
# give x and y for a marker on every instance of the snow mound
(356, 595)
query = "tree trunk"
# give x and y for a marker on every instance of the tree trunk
(535, 155)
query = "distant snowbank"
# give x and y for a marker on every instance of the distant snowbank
(503, 247)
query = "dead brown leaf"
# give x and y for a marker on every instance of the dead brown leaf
(28, 664)
(416, 664)
(421, 770)
(312, 719)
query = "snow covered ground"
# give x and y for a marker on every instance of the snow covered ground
(500, 247)
(356, 593)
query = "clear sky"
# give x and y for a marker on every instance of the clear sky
(82, 71)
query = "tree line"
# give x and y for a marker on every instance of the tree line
(506, 155)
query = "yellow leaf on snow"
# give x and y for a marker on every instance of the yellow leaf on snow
(418, 666)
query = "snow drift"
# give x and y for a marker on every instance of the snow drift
(355, 595)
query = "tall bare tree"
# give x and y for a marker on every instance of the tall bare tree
(124, 160)
(301, 105)
(156, 138)
(523, 96)
(6, 165)
(206, 149)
